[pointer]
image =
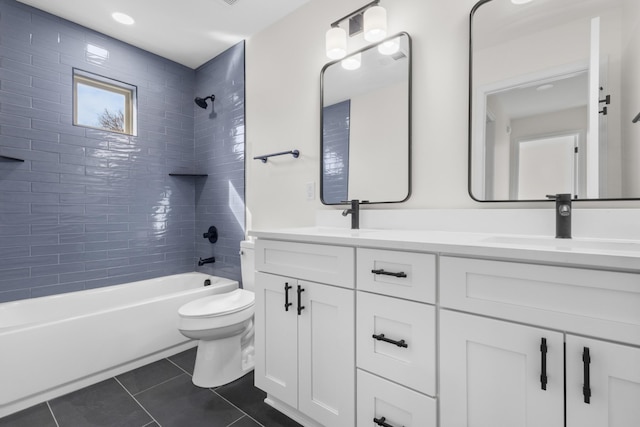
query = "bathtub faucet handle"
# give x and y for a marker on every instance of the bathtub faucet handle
(211, 234)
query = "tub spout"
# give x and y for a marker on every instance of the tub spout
(204, 261)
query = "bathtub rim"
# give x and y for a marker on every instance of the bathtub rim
(220, 281)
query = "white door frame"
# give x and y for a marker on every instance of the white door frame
(478, 145)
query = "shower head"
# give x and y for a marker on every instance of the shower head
(202, 102)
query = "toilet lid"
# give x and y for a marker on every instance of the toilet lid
(217, 305)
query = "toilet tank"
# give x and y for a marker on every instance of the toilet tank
(247, 263)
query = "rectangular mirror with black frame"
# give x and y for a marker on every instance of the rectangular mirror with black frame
(366, 124)
(554, 90)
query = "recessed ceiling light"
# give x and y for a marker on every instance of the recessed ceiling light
(544, 87)
(123, 18)
(521, 1)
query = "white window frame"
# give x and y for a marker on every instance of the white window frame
(104, 83)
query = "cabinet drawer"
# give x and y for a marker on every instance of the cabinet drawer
(318, 263)
(399, 406)
(591, 302)
(420, 270)
(397, 320)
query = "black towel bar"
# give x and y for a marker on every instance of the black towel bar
(294, 153)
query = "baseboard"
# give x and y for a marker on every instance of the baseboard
(290, 412)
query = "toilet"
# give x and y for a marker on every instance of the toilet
(223, 324)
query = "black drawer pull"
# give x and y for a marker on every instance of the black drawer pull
(543, 361)
(300, 306)
(381, 422)
(388, 273)
(586, 387)
(381, 337)
(287, 304)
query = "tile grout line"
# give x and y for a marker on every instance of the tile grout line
(155, 385)
(139, 404)
(238, 420)
(231, 403)
(180, 367)
(55, 420)
(223, 398)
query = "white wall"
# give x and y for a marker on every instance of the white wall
(283, 66)
(375, 150)
(631, 97)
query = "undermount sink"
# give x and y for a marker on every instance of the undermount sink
(566, 244)
(333, 231)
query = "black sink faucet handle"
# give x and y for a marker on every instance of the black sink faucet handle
(563, 214)
(354, 211)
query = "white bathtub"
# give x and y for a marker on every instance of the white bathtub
(53, 345)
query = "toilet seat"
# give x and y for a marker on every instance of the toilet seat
(218, 305)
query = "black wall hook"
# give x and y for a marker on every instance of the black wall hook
(211, 234)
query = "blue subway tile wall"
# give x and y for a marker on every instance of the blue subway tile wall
(89, 208)
(219, 152)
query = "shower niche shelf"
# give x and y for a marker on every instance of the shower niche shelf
(193, 174)
(12, 159)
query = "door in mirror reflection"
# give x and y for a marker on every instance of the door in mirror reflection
(559, 156)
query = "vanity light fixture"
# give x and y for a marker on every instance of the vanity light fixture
(375, 24)
(123, 18)
(389, 47)
(370, 16)
(336, 42)
(352, 62)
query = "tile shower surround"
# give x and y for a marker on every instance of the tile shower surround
(90, 208)
(219, 151)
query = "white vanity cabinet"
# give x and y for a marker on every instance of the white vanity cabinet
(427, 330)
(305, 331)
(510, 371)
(396, 338)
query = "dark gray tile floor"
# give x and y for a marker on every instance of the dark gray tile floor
(160, 394)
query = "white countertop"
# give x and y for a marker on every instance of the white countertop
(619, 255)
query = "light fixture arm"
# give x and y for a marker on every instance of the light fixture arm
(354, 13)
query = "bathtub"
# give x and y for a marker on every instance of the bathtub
(53, 345)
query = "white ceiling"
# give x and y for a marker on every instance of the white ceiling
(189, 32)
(568, 91)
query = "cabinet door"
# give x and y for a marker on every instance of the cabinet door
(276, 338)
(610, 375)
(327, 354)
(490, 373)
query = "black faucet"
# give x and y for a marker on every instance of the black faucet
(563, 215)
(354, 211)
(202, 262)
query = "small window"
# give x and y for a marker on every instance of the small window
(103, 103)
